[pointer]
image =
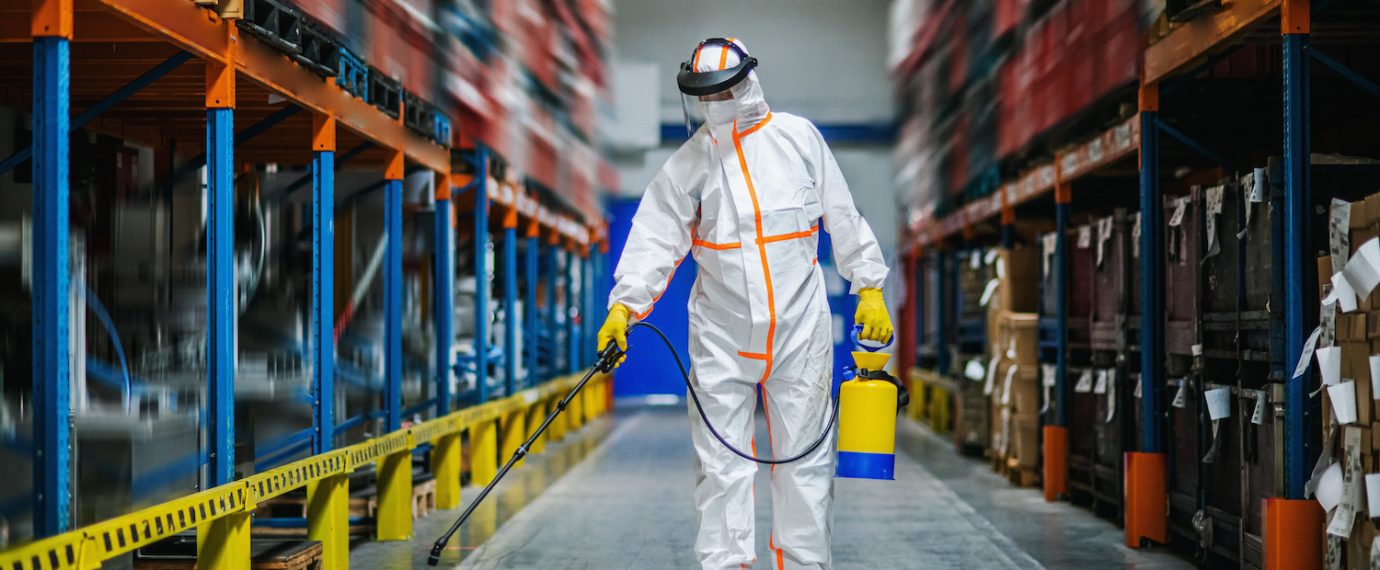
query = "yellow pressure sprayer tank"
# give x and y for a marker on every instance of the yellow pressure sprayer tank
(869, 400)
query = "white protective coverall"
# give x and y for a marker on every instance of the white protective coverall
(758, 313)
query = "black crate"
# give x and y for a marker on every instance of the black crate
(385, 93)
(1080, 300)
(352, 74)
(1261, 473)
(274, 22)
(1186, 446)
(1110, 281)
(1111, 424)
(319, 49)
(1221, 212)
(418, 115)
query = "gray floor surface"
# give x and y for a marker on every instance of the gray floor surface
(619, 495)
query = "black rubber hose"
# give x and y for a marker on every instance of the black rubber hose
(694, 396)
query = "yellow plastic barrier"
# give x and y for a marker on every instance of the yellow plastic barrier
(223, 514)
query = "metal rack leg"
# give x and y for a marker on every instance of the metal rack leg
(443, 291)
(481, 274)
(394, 519)
(51, 434)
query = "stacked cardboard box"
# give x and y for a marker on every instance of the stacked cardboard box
(1353, 340)
(1012, 383)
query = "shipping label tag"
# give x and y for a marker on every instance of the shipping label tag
(1342, 293)
(1104, 233)
(990, 256)
(1048, 375)
(1328, 317)
(988, 291)
(1214, 207)
(1339, 233)
(991, 376)
(1181, 395)
(1362, 271)
(974, 260)
(1085, 382)
(1135, 236)
(1306, 356)
(1084, 236)
(1177, 217)
(1049, 242)
(1261, 401)
(1101, 386)
(1006, 386)
(1375, 553)
(1111, 397)
(1258, 182)
(1136, 393)
(973, 370)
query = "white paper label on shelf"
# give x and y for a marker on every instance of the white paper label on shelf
(991, 376)
(1135, 235)
(1049, 242)
(1177, 217)
(990, 256)
(1328, 317)
(1104, 233)
(1343, 397)
(1330, 364)
(1136, 393)
(1196, 349)
(1262, 401)
(1100, 387)
(1329, 491)
(1307, 355)
(1006, 385)
(1011, 348)
(1111, 397)
(1181, 395)
(1258, 182)
(1342, 292)
(1342, 519)
(1373, 496)
(988, 291)
(1339, 233)
(1374, 361)
(1085, 382)
(1218, 403)
(1214, 200)
(1084, 236)
(1049, 375)
(974, 260)
(1001, 268)
(1362, 271)
(973, 370)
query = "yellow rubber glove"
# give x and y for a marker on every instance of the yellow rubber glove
(615, 329)
(873, 316)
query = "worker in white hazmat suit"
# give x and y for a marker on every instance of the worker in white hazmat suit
(747, 195)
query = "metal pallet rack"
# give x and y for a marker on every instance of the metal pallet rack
(1181, 52)
(305, 120)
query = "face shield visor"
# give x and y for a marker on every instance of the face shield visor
(706, 86)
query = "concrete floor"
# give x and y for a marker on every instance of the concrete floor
(618, 495)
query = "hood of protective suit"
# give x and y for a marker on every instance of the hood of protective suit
(748, 106)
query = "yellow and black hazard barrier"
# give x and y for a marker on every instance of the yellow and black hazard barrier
(222, 514)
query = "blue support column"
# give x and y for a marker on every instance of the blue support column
(510, 297)
(52, 444)
(481, 274)
(589, 315)
(530, 314)
(941, 345)
(1061, 303)
(1296, 264)
(553, 277)
(568, 308)
(220, 292)
(323, 284)
(392, 294)
(443, 291)
(1151, 276)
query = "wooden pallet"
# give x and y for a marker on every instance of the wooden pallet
(364, 504)
(179, 553)
(1021, 476)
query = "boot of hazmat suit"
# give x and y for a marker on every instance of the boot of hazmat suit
(747, 195)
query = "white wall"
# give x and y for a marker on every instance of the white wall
(822, 59)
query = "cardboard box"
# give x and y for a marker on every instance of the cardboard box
(1356, 366)
(1025, 387)
(1019, 290)
(1025, 440)
(1018, 338)
(1358, 544)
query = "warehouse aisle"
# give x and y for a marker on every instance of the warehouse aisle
(628, 505)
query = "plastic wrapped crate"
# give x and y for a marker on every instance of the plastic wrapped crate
(1080, 300)
(385, 93)
(1183, 252)
(319, 49)
(1110, 281)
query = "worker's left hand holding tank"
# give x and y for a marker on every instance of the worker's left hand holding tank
(873, 316)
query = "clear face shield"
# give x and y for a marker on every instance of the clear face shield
(707, 99)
